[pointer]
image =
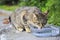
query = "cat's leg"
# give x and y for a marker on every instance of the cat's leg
(27, 29)
(19, 27)
(22, 21)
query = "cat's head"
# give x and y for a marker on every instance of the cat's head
(42, 18)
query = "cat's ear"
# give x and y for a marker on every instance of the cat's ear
(46, 12)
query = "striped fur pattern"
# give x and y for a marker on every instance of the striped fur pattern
(22, 17)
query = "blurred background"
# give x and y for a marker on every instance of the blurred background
(43, 5)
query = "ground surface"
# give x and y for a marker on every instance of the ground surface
(9, 33)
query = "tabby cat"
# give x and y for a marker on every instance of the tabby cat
(22, 17)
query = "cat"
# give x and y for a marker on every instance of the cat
(22, 17)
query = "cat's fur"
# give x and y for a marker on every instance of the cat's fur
(23, 16)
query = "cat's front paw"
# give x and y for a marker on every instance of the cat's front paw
(28, 30)
(20, 29)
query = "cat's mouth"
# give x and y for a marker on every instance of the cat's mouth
(35, 25)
